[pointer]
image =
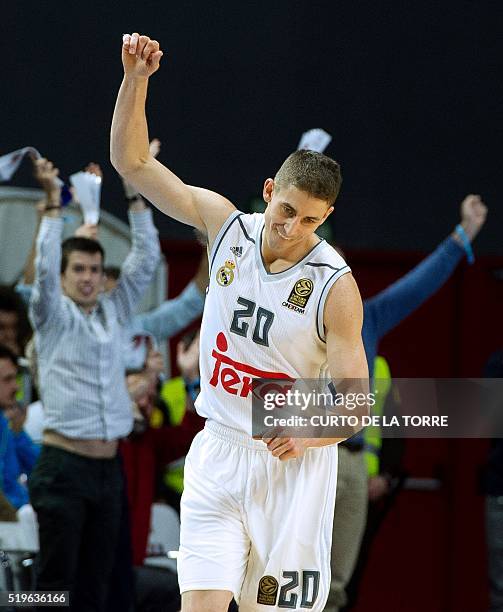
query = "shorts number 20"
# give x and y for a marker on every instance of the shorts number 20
(310, 588)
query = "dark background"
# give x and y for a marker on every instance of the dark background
(410, 91)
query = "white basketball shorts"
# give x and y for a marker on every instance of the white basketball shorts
(254, 525)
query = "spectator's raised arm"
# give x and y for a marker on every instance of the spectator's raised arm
(392, 305)
(45, 174)
(139, 267)
(46, 296)
(174, 315)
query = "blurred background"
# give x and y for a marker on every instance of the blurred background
(411, 93)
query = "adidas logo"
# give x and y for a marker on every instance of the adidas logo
(237, 251)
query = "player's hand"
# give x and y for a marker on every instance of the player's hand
(286, 448)
(140, 55)
(473, 215)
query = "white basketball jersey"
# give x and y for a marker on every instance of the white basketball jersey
(257, 323)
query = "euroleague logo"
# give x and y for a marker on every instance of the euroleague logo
(299, 295)
(303, 287)
(267, 591)
(225, 274)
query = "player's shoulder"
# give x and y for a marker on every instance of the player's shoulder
(252, 222)
(343, 304)
(247, 224)
(328, 260)
(239, 231)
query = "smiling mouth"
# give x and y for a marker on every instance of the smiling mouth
(86, 291)
(282, 235)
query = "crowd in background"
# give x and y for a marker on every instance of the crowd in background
(88, 452)
(93, 432)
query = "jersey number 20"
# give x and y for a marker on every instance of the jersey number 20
(263, 321)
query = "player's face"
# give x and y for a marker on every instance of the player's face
(83, 279)
(292, 215)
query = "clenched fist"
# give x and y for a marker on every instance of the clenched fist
(140, 55)
(473, 215)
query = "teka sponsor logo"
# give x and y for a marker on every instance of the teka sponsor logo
(237, 378)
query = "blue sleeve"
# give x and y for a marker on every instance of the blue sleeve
(12, 488)
(26, 450)
(392, 305)
(172, 316)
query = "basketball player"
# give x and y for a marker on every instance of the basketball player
(256, 514)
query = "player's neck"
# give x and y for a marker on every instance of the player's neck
(278, 260)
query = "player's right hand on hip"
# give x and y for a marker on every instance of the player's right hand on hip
(140, 55)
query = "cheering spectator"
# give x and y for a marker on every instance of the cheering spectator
(77, 484)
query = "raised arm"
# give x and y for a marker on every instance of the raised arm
(45, 301)
(45, 174)
(139, 267)
(129, 147)
(392, 305)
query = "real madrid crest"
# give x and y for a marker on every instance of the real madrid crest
(225, 274)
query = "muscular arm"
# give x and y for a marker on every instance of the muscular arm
(129, 147)
(343, 319)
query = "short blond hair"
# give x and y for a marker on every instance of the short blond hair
(316, 174)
